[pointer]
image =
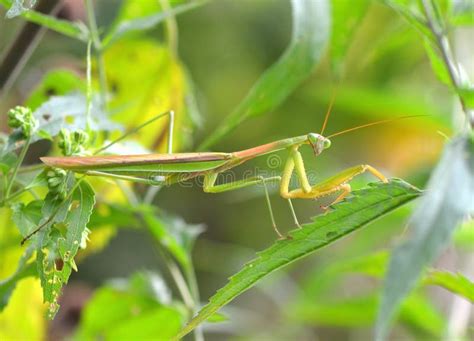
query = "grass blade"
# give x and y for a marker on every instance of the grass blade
(457, 283)
(363, 207)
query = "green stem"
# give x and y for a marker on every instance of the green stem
(191, 276)
(89, 88)
(51, 217)
(171, 29)
(98, 49)
(32, 168)
(13, 196)
(446, 54)
(181, 284)
(17, 166)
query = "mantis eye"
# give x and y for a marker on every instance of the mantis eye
(313, 138)
(326, 143)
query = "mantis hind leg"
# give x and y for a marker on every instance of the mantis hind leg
(293, 213)
(169, 147)
(334, 184)
(211, 187)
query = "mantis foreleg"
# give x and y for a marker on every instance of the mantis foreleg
(295, 160)
(334, 184)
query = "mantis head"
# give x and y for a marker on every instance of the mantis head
(318, 142)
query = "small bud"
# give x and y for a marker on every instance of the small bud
(72, 144)
(22, 118)
(56, 179)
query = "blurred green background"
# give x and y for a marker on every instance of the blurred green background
(224, 46)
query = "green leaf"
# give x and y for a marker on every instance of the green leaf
(464, 237)
(420, 313)
(147, 22)
(447, 202)
(31, 178)
(68, 112)
(173, 234)
(311, 26)
(157, 86)
(7, 162)
(350, 312)
(462, 13)
(74, 30)
(17, 8)
(131, 9)
(456, 283)
(410, 11)
(363, 207)
(437, 64)
(417, 312)
(27, 217)
(56, 252)
(55, 83)
(217, 318)
(318, 304)
(467, 94)
(123, 310)
(346, 16)
(374, 265)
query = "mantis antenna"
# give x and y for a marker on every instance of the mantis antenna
(328, 112)
(374, 123)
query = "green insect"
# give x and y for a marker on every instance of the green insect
(171, 168)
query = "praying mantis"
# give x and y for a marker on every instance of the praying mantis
(171, 168)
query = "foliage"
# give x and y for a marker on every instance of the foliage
(442, 209)
(450, 190)
(127, 68)
(353, 213)
(144, 310)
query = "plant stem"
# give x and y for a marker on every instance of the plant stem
(56, 211)
(171, 29)
(447, 55)
(191, 275)
(98, 49)
(17, 166)
(31, 168)
(89, 88)
(180, 283)
(13, 196)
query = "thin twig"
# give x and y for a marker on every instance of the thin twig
(14, 195)
(55, 212)
(17, 166)
(171, 29)
(192, 281)
(447, 55)
(180, 283)
(98, 49)
(89, 88)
